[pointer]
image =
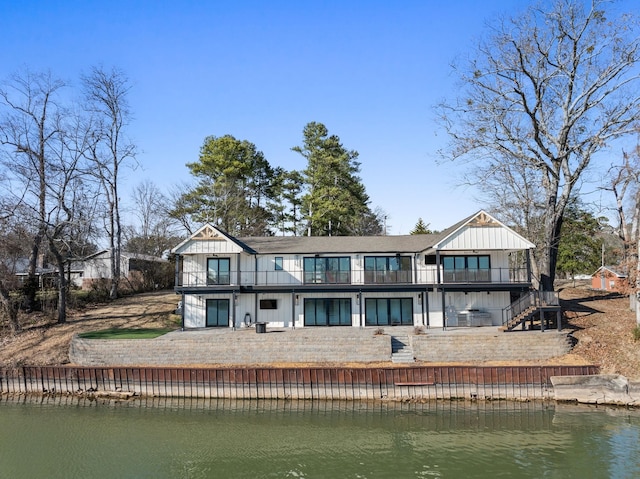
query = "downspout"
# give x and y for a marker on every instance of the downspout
(360, 308)
(425, 304)
(234, 299)
(255, 307)
(528, 254)
(182, 312)
(293, 309)
(444, 312)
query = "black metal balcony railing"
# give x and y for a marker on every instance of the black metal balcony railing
(386, 277)
(467, 276)
(327, 277)
(355, 277)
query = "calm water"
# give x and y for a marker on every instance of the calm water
(72, 438)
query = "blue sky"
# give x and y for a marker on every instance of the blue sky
(260, 70)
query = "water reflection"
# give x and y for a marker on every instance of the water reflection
(158, 437)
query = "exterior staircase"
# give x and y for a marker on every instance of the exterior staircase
(529, 307)
(401, 351)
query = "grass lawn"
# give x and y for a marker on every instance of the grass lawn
(115, 333)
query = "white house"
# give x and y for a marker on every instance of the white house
(467, 275)
(97, 267)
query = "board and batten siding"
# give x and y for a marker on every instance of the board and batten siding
(472, 238)
(210, 247)
(267, 274)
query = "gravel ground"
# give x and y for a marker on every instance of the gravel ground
(602, 325)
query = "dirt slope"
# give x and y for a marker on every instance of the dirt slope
(43, 342)
(602, 326)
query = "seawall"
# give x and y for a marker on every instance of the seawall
(399, 383)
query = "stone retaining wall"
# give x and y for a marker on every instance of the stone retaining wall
(316, 345)
(234, 347)
(500, 346)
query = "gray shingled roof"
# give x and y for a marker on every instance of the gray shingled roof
(339, 244)
(346, 244)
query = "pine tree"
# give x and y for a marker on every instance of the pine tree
(335, 198)
(235, 184)
(421, 228)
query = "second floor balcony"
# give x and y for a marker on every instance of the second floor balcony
(300, 277)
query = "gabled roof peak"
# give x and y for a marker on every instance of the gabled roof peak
(208, 233)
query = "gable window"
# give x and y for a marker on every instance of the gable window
(218, 271)
(335, 270)
(466, 269)
(387, 269)
(278, 263)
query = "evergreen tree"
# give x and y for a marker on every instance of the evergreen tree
(335, 200)
(235, 184)
(579, 250)
(286, 205)
(421, 228)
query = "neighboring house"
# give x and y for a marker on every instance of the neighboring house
(46, 274)
(607, 278)
(97, 268)
(469, 274)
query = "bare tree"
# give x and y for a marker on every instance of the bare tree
(29, 123)
(625, 185)
(69, 220)
(12, 250)
(543, 94)
(155, 231)
(106, 93)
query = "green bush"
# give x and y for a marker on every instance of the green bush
(636, 333)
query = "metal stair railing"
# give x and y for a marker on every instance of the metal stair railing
(523, 308)
(526, 306)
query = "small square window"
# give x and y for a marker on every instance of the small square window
(278, 263)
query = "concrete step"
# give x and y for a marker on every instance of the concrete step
(398, 343)
(405, 358)
(401, 351)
